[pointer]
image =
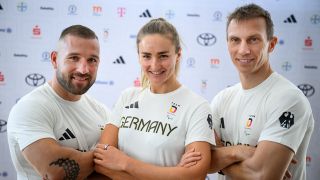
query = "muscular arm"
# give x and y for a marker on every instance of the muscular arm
(53, 161)
(221, 157)
(269, 161)
(118, 161)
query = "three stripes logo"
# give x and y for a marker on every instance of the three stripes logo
(222, 123)
(133, 105)
(67, 135)
(146, 14)
(119, 60)
(290, 19)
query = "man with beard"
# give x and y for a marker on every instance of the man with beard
(52, 130)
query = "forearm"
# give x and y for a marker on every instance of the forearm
(53, 161)
(141, 170)
(222, 157)
(242, 171)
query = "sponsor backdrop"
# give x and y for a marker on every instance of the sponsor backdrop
(29, 30)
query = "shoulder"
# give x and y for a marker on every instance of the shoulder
(227, 93)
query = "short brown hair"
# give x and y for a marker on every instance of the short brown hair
(251, 11)
(78, 31)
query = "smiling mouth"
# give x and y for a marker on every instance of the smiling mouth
(244, 61)
(156, 72)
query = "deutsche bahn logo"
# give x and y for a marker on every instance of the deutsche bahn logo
(146, 14)
(290, 19)
(67, 135)
(119, 60)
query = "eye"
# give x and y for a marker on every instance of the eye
(253, 40)
(93, 60)
(164, 56)
(146, 56)
(234, 40)
(74, 58)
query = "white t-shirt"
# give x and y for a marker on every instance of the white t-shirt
(156, 128)
(43, 114)
(275, 110)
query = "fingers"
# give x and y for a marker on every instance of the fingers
(294, 161)
(287, 175)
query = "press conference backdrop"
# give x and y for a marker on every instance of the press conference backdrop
(29, 31)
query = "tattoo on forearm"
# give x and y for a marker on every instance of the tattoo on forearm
(71, 168)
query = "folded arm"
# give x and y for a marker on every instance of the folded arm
(269, 161)
(116, 160)
(53, 161)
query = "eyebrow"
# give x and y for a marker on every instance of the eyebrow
(77, 54)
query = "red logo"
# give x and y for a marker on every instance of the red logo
(1, 78)
(308, 42)
(36, 31)
(97, 10)
(137, 83)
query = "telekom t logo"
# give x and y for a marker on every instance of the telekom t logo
(121, 11)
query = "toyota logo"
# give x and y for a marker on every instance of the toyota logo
(307, 89)
(3, 124)
(35, 79)
(206, 39)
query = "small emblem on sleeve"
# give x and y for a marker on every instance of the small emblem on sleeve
(286, 120)
(209, 119)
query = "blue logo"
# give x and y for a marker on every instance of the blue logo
(217, 16)
(22, 7)
(45, 56)
(286, 66)
(72, 10)
(315, 19)
(169, 14)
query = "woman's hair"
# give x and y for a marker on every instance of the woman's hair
(164, 28)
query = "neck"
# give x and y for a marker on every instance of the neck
(62, 92)
(162, 89)
(252, 80)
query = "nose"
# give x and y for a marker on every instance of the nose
(244, 49)
(83, 67)
(154, 63)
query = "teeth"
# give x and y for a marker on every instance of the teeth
(244, 60)
(156, 72)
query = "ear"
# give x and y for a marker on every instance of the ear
(272, 44)
(179, 54)
(54, 59)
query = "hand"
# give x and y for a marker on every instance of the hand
(110, 158)
(189, 158)
(288, 174)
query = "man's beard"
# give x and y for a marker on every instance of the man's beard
(66, 83)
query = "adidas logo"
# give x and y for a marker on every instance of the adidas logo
(290, 19)
(67, 135)
(133, 105)
(1, 7)
(146, 13)
(119, 60)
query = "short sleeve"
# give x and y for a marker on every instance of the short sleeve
(200, 127)
(30, 121)
(288, 117)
